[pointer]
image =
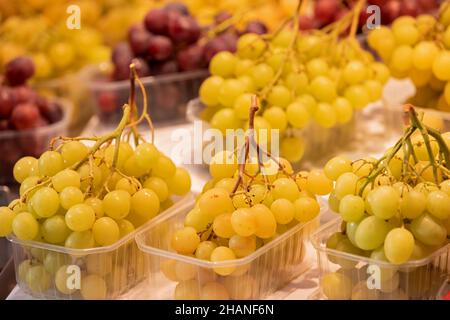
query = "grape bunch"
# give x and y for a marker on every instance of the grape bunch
(248, 203)
(298, 77)
(394, 209)
(22, 111)
(89, 192)
(419, 49)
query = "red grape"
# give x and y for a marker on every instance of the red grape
(165, 67)
(379, 3)
(255, 27)
(306, 23)
(325, 10)
(142, 67)
(6, 102)
(191, 58)
(24, 94)
(221, 17)
(50, 110)
(214, 46)
(409, 8)
(122, 54)
(156, 21)
(178, 7)
(25, 116)
(107, 101)
(427, 5)
(160, 48)
(19, 70)
(139, 40)
(390, 11)
(183, 29)
(4, 125)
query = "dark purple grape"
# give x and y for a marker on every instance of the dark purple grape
(165, 67)
(139, 40)
(255, 27)
(160, 48)
(107, 101)
(230, 39)
(142, 67)
(7, 102)
(191, 58)
(122, 54)
(24, 94)
(121, 72)
(178, 7)
(221, 17)
(50, 110)
(25, 116)
(214, 46)
(19, 70)
(183, 29)
(156, 21)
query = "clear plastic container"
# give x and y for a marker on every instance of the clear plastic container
(167, 95)
(96, 273)
(175, 276)
(345, 276)
(444, 291)
(17, 144)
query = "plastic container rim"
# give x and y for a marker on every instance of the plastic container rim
(318, 234)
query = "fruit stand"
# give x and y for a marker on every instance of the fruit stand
(276, 150)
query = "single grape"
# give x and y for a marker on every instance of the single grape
(209, 90)
(70, 196)
(230, 90)
(225, 119)
(279, 96)
(424, 54)
(73, 152)
(336, 167)
(283, 210)
(413, 204)
(66, 178)
(38, 279)
(250, 46)
(223, 254)
(215, 202)
(45, 202)
(146, 155)
(262, 74)
(185, 241)
(54, 229)
(93, 287)
(145, 203)
(438, 204)
(24, 168)
(336, 286)
(351, 208)
(323, 89)
(243, 222)
(117, 204)
(428, 230)
(355, 72)
(285, 188)
(222, 226)
(292, 148)
(358, 96)
(346, 184)
(318, 183)
(306, 209)
(105, 231)
(317, 67)
(276, 117)
(297, 114)
(126, 185)
(80, 217)
(223, 64)
(80, 240)
(384, 201)
(371, 233)
(159, 186)
(223, 165)
(19, 70)
(164, 168)
(6, 221)
(204, 250)
(399, 245)
(97, 205)
(50, 163)
(441, 66)
(125, 227)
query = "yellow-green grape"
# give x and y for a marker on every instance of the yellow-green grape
(53, 261)
(318, 183)
(215, 202)
(54, 229)
(323, 89)
(146, 155)
(50, 163)
(28, 184)
(285, 188)
(325, 115)
(306, 209)
(87, 179)
(164, 168)
(180, 183)
(317, 67)
(187, 290)
(6, 221)
(97, 205)
(266, 224)
(38, 279)
(250, 46)
(336, 286)
(223, 64)
(230, 90)
(80, 217)
(346, 184)
(283, 210)
(388, 272)
(362, 292)
(424, 54)
(24, 168)
(428, 230)
(243, 222)
(297, 82)
(413, 204)
(105, 231)
(279, 96)
(226, 184)
(351, 208)
(132, 169)
(438, 204)
(398, 245)
(371, 233)
(247, 83)
(80, 240)
(125, 152)
(185, 271)
(297, 114)
(125, 227)
(276, 117)
(406, 33)
(73, 152)
(22, 270)
(126, 185)
(333, 202)
(186, 240)
(43, 66)
(441, 65)
(445, 186)
(214, 291)
(223, 254)
(336, 167)
(209, 90)
(242, 67)
(66, 178)
(222, 226)
(93, 287)
(262, 74)
(242, 106)
(374, 89)
(159, 186)
(117, 204)
(197, 220)
(355, 72)
(402, 59)
(242, 246)
(70, 196)
(384, 201)
(347, 246)
(204, 250)
(358, 96)
(61, 280)
(225, 119)
(25, 226)
(380, 71)
(62, 54)
(223, 165)
(45, 202)
(145, 203)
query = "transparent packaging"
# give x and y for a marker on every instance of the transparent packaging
(167, 95)
(344, 276)
(17, 144)
(256, 276)
(72, 274)
(444, 291)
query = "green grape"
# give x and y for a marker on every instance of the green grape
(306, 209)
(371, 233)
(355, 72)
(125, 152)
(279, 96)
(402, 59)
(61, 280)
(105, 231)
(333, 202)
(97, 205)
(351, 228)
(45, 202)
(80, 217)
(53, 261)
(378, 35)
(337, 166)
(230, 90)
(55, 230)
(243, 67)
(125, 227)
(446, 38)
(346, 246)
(187, 290)
(413, 204)
(224, 164)
(38, 279)
(374, 89)
(292, 148)
(318, 183)
(197, 220)
(22, 270)
(351, 208)
(358, 96)
(224, 119)
(406, 34)
(50, 163)
(266, 224)
(86, 178)
(116, 204)
(346, 184)
(146, 155)
(215, 202)
(80, 240)
(323, 89)
(250, 46)
(336, 286)
(276, 117)
(317, 67)
(223, 254)
(209, 90)
(159, 186)
(361, 292)
(126, 185)
(73, 152)
(145, 203)
(242, 106)
(247, 83)
(445, 186)
(222, 226)
(93, 287)
(6, 221)
(398, 245)
(185, 271)
(283, 38)
(441, 66)
(70, 196)
(27, 184)
(343, 110)
(438, 204)
(66, 178)
(285, 188)
(243, 222)
(263, 131)
(424, 54)
(387, 273)
(262, 74)
(226, 183)
(275, 60)
(180, 183)
(24, 168)
(297, 115)
(428, 230)
(257, 193)
(223, 64)
(214, 291)
(384, 202)
(380, 71)
(308, 102)
(62, 54)
(204, 250)
(283, 211)
(297, 82)
(185, 241)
